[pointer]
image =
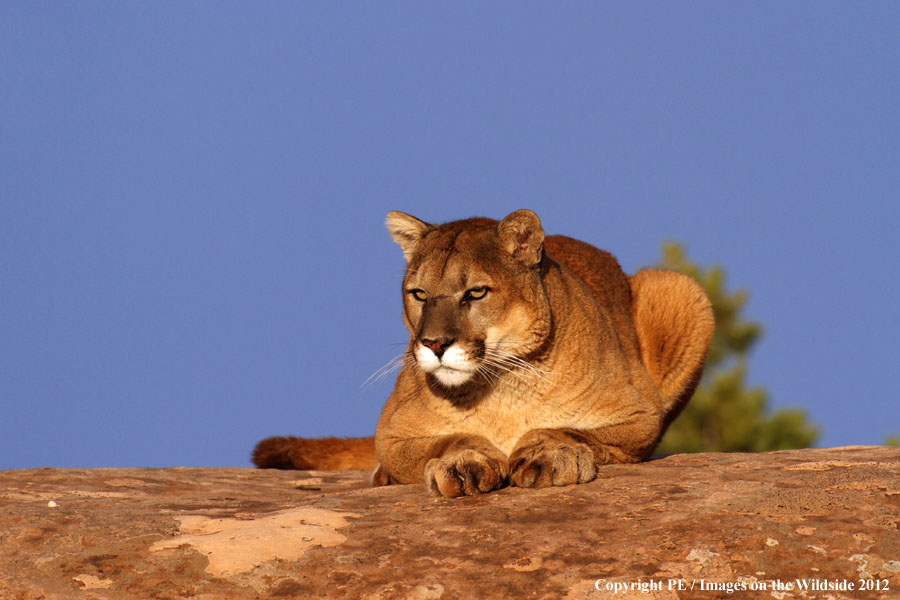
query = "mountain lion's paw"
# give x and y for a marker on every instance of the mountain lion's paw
(465, 473)
(551, 462)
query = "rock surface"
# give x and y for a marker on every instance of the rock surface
(828, 517)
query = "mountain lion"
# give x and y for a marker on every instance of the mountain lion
(532, 361)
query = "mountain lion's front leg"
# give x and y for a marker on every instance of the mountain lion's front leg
(451, 465)
(545, 457)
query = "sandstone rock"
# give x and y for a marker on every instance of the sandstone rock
(827, 517)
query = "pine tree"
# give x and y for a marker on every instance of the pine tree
(725, 414)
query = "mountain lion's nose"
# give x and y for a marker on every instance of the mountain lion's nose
(438, 345)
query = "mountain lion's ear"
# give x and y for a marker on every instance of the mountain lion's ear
(406, 231)
(522, 236)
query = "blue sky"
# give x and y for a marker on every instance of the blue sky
(192, 196)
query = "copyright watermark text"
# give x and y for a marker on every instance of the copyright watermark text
(743, 584)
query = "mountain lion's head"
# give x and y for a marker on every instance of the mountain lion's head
(473, 299)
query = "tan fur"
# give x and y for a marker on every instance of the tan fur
(537, 360)
(323, 454)
(673, 335)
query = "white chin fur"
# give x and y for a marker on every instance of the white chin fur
(452, 377)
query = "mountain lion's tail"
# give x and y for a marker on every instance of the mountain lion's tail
(326, 454)
(674, 322)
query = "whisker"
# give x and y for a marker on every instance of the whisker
(496, 364)
(512, 358)
(518, 361)
(515, 370)
(515, 365)
(485, 371)
(395, 364)
(380, 374)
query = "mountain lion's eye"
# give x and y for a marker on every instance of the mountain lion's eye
(419, 295)
(476, 293)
